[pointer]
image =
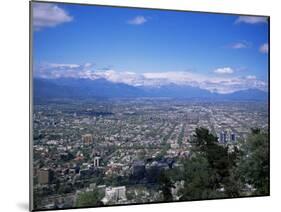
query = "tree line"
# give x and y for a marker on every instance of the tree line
(221, 171)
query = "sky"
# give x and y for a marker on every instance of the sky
(218, 52)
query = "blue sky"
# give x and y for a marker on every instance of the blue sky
(141, 41)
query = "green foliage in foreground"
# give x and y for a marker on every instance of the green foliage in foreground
(200, 180)
(253, 166)
(213, 171)
(90, 198)
(166, 186)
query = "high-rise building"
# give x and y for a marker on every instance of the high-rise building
(233, 137)
(225, 137)
(96, 161)
(221, 138)
(87, 138)
(45, 175)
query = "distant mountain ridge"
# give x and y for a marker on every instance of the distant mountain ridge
(87, 88)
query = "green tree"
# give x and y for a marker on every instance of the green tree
(234, 185)
(208, 174)
(200, 180)
(166, 186)
(90, 198)
(253, 165)
(218, 156)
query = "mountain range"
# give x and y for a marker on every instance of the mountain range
(101, 88)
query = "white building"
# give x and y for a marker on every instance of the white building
(96, 161)
(115, 194)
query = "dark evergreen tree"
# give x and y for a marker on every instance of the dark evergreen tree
(253, 165)
(165, 185)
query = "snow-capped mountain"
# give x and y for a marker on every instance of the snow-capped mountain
(100, 87)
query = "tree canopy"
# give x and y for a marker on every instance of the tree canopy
(90, 198)
(215, 171)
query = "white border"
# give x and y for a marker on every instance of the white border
(15, 103)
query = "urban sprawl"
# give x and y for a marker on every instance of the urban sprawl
(118, 147)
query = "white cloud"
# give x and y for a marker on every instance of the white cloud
(251, 19)
(233, 84)
(225, 70)
(49, 15)
(264, 48)
(240, 45)
(57, 70)
(55, 65)
(138, 20)
(87, 65)
(251, 77)
(219, 84)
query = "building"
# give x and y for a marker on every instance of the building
(85, 172)
(115, 194)
(87, 138)
(225, 137)
(233, 137)
(96, 161)
(45, 176)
